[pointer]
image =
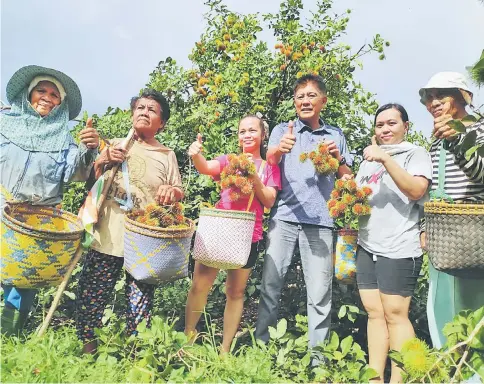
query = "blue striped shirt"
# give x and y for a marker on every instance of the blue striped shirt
(304, 192)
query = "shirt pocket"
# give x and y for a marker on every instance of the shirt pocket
(53, 166)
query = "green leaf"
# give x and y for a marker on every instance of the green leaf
(468, 142)
(70, 295)
(354, 309)
(351, 317)
(451, 328)
(470, 151)
(469, 119)
(281, 328)
(479, 65)
(346, 344)
(367, 374)
(306, 359)
(333, 341)
(281, 357)
(396, 357)
(337, 355)
(457, 125)
(342, 312)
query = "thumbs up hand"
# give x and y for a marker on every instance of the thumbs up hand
(89, 136)
(196, 146)
(374, 153)
(288, 139)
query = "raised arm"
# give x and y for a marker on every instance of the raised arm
(204, 166)
(412, 186)
(280, 143)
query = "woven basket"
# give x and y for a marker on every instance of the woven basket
(38, 245)
(224, 238)
(455, 238)
(156, 255)
(344, 255)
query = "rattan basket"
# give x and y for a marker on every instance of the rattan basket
(38, 245)
(455, 238)
(224, 238)
(156, 255)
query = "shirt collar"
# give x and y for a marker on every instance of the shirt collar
(300, 126)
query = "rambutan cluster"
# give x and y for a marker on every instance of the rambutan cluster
(322, 160)
(236, 176)
(348, 201)
(163, 216)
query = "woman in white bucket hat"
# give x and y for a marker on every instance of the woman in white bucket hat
(446, 97)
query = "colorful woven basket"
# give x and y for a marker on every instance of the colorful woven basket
(156, 255)
(455, 238)
(345, 245)
(38, 245)
(224, 238)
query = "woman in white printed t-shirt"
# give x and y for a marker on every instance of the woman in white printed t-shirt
(389, 255)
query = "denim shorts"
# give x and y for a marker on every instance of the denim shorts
(389, 276)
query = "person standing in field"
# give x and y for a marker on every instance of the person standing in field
(300, 216)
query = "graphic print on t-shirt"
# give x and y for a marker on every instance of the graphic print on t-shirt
(137, 171)
(375, 178)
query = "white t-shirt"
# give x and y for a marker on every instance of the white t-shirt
(392, 228)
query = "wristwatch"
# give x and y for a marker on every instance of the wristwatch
(342, 161)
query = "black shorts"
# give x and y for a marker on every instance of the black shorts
(389, 276)
(254, 254)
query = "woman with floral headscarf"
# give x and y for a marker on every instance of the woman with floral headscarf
(38, 155)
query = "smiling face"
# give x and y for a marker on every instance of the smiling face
(309, 101)
(147, 120)
(444, 101)
(44, 97)
(251, 135)
(389, 127)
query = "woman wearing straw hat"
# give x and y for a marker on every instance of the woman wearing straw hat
(38, 155)
(446, 96)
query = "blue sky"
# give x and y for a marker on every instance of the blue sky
(109, 47)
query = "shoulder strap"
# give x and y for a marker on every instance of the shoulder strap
(439, 193)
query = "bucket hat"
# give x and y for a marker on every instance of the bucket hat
(23, 77)
(447, 80)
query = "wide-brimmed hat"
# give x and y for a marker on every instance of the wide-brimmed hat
(448, 80)
(22, 78)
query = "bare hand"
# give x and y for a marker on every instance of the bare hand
(442, 130)
(423, 241)
(112, 155)
(288, 139)
(196, 146)
(374, 152)
(166, 194)
(347, 177)
(333, 149)
(89, 136)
